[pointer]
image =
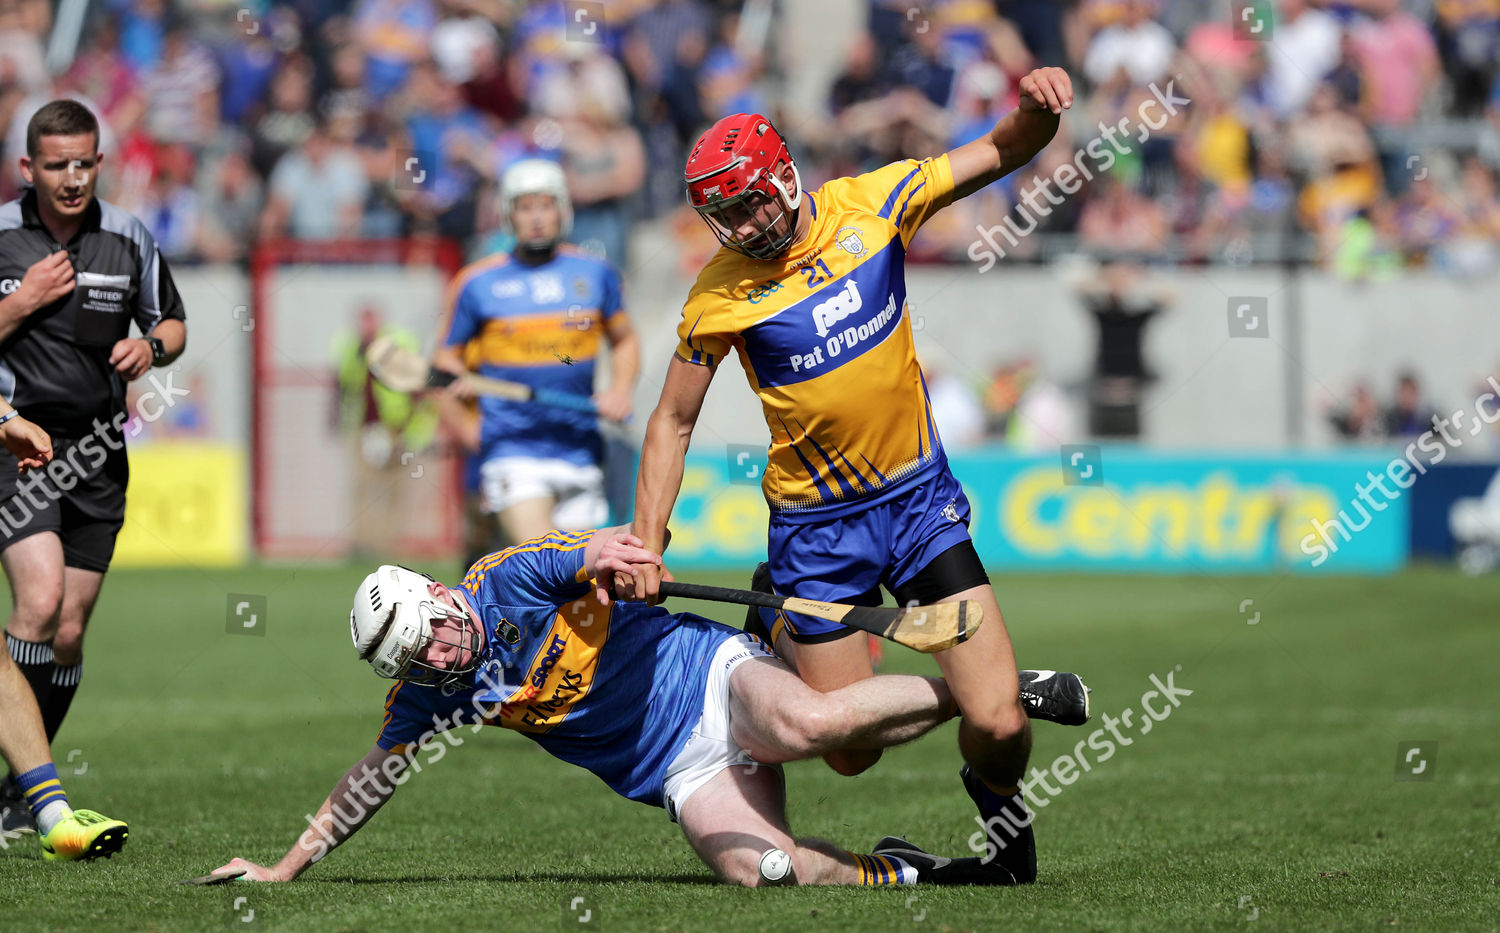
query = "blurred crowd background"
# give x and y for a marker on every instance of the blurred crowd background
(1371, 127)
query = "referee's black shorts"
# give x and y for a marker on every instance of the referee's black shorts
(80, 496)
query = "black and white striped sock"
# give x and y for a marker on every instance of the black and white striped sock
(34, 658)
(65, 680)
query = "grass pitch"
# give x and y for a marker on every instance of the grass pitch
(1269, 796)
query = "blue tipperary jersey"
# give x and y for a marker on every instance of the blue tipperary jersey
(616, 691)
(543, 326)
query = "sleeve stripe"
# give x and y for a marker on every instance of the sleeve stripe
(890, 202)
(568, 541)
(901, 214)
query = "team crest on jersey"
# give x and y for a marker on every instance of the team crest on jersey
(849, 240)
(950, 511)
(507, 631)
(547, 289)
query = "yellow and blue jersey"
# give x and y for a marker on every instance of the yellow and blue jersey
(616, 691)
(826, 342)
(543, 326)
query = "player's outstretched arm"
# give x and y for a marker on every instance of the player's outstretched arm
(362, 790)
(668, 433)
(1018, 137)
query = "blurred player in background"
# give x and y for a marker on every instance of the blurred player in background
(382, 426)
(539, 316)
(66, 834)
(77, 272)
(668, 709)
(810, 289)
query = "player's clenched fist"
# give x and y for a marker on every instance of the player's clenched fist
(1046, 89)
(48, 279)
(623, 558)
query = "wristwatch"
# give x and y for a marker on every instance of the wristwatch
(158, 351)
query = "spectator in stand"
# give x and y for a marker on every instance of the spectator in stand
(1426, 219)
(383, 216)
(230, 194)
(1361, 419)
(489, 88)
(1399, 62)
(317, 191)
(171, 209)
(606, 163)
(1040, 23)
(21, 59)
(345, 90)
(450, 140)
(1117, 220)
(142, 27)
(395, 35)
(1303, 49)
(1408, 416)
(1136, 51)
(918, 64)
(1468, 38)
(1338, 157)
(247, 63)
(182, 89)
(1400, 67)
(288, 120)
(102, 74)
(729, 75)
(1476, 248)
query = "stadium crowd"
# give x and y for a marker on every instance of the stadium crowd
(1372, 125)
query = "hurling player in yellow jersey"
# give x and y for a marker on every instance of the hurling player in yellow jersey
(809, 290)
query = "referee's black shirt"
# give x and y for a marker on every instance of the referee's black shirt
(54, 368)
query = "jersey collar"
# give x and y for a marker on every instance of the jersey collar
(31, 217)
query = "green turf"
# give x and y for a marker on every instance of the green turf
(1272, 786)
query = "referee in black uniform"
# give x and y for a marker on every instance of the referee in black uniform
(74, 272)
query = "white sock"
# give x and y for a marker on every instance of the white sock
(905, 873)
(52, 814)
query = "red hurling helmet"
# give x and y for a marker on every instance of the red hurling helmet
(732, 173)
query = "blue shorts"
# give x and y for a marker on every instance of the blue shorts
(847, 559)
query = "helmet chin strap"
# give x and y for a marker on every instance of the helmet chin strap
(786, 197)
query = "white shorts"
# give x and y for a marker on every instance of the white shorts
(577, 489)
(710, 749)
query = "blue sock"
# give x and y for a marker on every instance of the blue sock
(42, 788)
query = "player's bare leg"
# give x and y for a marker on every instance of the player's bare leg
(23, 743)
(995, 735)
(776, 717)
(828, 666)
(80, 593)
(34, 566)
(527, 519)
(740, 814)
(66, 834)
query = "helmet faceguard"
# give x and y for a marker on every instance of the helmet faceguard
(392, 627)
(732, 174)
(536, 176)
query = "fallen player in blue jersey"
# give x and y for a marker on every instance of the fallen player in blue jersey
(668, 709)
